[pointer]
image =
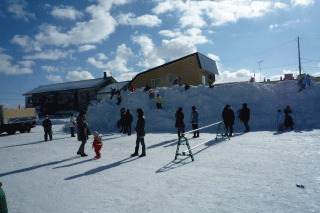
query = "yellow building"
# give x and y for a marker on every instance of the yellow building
(194, 69)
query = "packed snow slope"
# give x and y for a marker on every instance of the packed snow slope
(263, 100)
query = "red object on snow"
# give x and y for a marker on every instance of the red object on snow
(151, 95)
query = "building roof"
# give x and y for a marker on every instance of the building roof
(74, 85)
(118, 85)
(205, 63)
(232, 80)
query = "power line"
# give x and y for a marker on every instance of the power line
(310, 60)
(260, 52)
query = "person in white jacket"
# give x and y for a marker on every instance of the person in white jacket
(72, 124)
(280, 120)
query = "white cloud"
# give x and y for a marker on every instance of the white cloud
(316, 74)
(237, 74)
(27, 64)
(7, 68)
(55, 78)
(49, 68)
(169, 33)
(211, 31)
(291, 23)
(96, 30)
(118, 64)
(102, 56)
(17, 8)
(280, 5)
(182, 45)
(86, 47)
(66, 12)
(98, 64)
(145, 20)
(78, 76)
(193, 13)
(302, 2)
(149, 52)
(50, 55)
(126, 76)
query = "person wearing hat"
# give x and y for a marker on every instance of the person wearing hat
(244, 116)
(97, 144)
(47, 126)
(228, 118)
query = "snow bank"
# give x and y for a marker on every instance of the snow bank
(263, 100)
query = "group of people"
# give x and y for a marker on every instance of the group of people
(125, 121)
(117, 93)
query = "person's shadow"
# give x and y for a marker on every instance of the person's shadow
(102, 168)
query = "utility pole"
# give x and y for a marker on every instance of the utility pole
(299, 57)
(260, 69)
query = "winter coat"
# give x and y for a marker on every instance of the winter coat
(307, 80)
(72, 122)
(228, 116)
(194, 118)
(47, 125)
(280, 118)
(140, 127)
(82, 129)
(128, 118)
(159, 100)
(244, 114)
(97, 143)
(123, 118)
(288, 121)
(131, 89)
(179, 120)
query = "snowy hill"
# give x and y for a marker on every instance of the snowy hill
(263, 100)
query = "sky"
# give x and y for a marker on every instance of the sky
(44, 42)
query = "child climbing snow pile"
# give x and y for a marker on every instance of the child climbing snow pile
(97, 144)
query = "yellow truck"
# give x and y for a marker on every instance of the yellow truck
(12, 120)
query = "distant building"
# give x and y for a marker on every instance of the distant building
(74, 95)
(288, 76)
(194, 69)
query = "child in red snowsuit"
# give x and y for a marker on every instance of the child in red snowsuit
(97, 144)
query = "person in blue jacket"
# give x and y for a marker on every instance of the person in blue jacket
(280, 120)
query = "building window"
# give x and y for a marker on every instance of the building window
(30, 100)
(158, 82)
(153, 83)
(170, 78)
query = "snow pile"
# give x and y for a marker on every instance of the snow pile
(263, 100)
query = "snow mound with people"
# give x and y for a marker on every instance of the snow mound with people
(263, 100)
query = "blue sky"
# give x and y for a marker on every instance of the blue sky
(43, 42)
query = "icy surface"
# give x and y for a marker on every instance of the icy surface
(252, 172)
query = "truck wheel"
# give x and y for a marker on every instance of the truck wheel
(22, 130)
(27, 128)
(11, 132)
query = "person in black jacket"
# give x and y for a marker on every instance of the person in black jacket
(228, 118)
(141, 132)
(128, 121)
(179, 121)
(47, 125)
(244, 116)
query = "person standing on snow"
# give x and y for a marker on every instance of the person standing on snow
(307, 81)
(97, 144)
(186, 86)
(194, 120)
(228, 118)
(179, 121)
(122, 119)
(159, 101)
(141, 132)
(119, 97)
(47, 126)
(82, 132)
(244, 116)
(72, 125)
(280, 120)
(128, 120)
(287, 110)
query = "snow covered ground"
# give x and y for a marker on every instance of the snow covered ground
(252, 172)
